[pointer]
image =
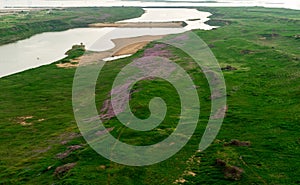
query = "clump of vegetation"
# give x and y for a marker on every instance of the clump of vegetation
(75, 52)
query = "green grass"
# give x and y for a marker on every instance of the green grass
(263, 108)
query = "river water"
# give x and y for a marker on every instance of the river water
(49, 47)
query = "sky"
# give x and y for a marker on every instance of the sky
(293, 4)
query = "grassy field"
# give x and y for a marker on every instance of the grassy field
(37, 123)
(28, 23)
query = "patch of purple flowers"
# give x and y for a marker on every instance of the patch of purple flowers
(182, 37)
(158, 50)
(145, 65)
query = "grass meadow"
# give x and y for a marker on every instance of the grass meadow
(263, 93)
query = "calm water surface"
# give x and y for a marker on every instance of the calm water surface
(49, 47)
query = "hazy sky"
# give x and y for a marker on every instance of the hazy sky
(294, 4)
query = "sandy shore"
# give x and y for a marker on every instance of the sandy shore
(128, 46)
(177, 24)
(123, 46)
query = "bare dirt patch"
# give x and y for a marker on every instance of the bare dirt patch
(23, 120)
(233, 172)
(192, 161)
(236, 142)
(230, 172)
(67, 65)
(68, 151)
(62, 170)
(180, 181)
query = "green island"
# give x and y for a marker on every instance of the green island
(259, 142)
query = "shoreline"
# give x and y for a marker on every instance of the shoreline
(123, 46)
(175, 24)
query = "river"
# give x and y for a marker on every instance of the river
(48, 47)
